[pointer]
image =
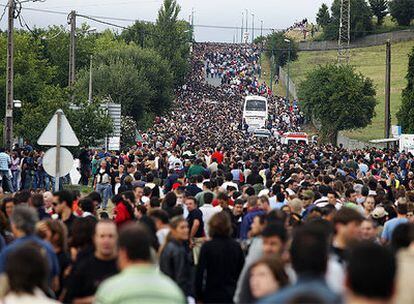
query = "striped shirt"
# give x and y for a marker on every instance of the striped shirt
(139, 284)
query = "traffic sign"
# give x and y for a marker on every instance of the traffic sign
(50, 134)
(49, 162)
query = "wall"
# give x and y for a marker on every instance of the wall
(371, 40)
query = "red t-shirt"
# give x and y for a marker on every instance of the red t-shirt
(218, 155)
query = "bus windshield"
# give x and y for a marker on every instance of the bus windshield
(256, 105)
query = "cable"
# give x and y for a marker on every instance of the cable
(4, 11)
(100, 21)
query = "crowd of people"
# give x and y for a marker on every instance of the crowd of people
(201, 212)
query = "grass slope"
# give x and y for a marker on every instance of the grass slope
(370, 62)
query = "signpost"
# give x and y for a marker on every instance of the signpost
(58, 161)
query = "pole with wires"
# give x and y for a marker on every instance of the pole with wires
(72, 47)
(8, 122)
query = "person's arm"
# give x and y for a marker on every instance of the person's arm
(199, 278)
(196, 225)
(85, 300)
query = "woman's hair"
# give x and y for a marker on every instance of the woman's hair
(170, 200)
(174, 223)
(220, 225)
(58, 228)
(27, 269)
(83, 229)
(277, 268)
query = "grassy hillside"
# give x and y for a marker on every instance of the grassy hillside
(370, 62)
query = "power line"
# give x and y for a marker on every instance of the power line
(103, 22)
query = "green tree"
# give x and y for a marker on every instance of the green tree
(402, 11)
(323, 17)
(361, 20)
(128, 131)
(141, 33)
(32, 73)
(406, 113)
(89, 122)
(379, 9)
(277, 46)
(171, 39)
(55, 41)
(338, 97)
(139, 79)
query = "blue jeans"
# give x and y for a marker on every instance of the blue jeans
(105, 191)
(7, 180)
(15, 179)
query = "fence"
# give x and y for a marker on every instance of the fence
(284, 79)
(371, 40)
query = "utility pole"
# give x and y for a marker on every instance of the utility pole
(387, 90)
(8, 122)
(247, 24)
(90, 81)
(241, 32)
(261, 28)
(272, 60)
(288, 67)
(72, 47)
(192, 24)
(252, 27)
(344, 31)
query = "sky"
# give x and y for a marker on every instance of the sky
(276, 14)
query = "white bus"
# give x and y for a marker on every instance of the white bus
(255, 112)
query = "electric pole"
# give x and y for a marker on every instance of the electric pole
(72, 47)
(90, 81)
(8, 122)
(241, 32)
(252, 27)
(387, 90)
(344, 31)
(247, 25)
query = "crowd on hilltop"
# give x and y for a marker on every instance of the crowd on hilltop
(198, 211)
(299, 25)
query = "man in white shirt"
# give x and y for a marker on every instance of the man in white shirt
(208, 210)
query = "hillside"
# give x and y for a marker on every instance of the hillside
(371, 62)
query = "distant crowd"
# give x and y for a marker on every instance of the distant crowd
(199, 211)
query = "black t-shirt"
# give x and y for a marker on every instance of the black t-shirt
(196, 214)
(69, 223)
(87, 275)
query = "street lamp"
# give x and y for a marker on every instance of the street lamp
(288, 65)
(17, 103)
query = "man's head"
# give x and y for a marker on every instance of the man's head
(274, 237)
(238, 207)
(160, 218)
(139, 193)
(309, 251)
(351, 195)
(23, 221)
(347, 223)
(402, 209)
(134, 245)
(371, 271)
(331, 197)
(105, 239)
(191, 203)
(62, 200)
(223, 199)
(368, 230)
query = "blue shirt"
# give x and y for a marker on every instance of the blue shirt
(313, 287)
(247, 222)
(390, 226)
(51, 255)
(4, 161)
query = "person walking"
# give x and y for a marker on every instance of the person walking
(175, 258)
(5, 163)
(137, 270)
(220, 263)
